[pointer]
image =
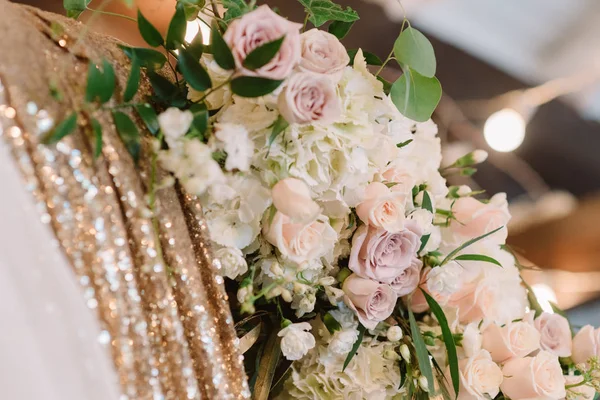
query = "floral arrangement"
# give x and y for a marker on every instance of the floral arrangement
(324, 194)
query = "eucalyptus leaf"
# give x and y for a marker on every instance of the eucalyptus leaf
(355, 346)
(421, 350)
(252, 86)
(148, 115)
(148, 58)
(467, 244)
(177, 28)
(415, 95)
(97, 129)
(195, 75)
(221, 51)
(150, 34)
(478, 257)
(340, 28)
(133, 82)
(65, 128)
(74, 8)
(261, 55)
(412, 48)
(321, 11)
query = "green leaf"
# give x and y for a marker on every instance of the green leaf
(355, 346)
(331, 323)
(128, 132)
(200, 122)
(424, 240)
(177, 28)
(195, 75)
(478, 257)
(426, 204)
(278, 126)
(412, 48)
(74, 8)
(404, 144)
(148, 115)
(196, 47)
(386, 85)
(148, 58)
(415, 95)
(370, 58)
(421, 350)
(65, 128)
(150, 34)
(467, 244)
(221, 50)
(340, 29)
(192, 8)
(164, 89)
(133, 82)
(261, 55)
(235, 8)
(321, 11)
(533, 301)
(448, 339)
(97, 128)
(252, 86)
(100, 83)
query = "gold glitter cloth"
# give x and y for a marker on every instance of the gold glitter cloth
(167, 325)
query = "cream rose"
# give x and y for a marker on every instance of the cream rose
(473, 218)
(383, 207)
(308, 98)
(373, 302)
(300, 242)
(233, 263)
(555, 334)
(516, 339)
(323, 53)
(586, 344)
(257, 28)
(533, 378)
(292, 197)
(480, 377)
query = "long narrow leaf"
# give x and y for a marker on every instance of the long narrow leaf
(467, 244)
(65, 128)
(97, 128)
(355, 346)
(421, 349)
(133, 82)
(478, 257)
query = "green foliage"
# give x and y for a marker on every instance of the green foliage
(133, 82)
(128, 132)
(221, 51)
(355, 346)
(165, 90)
(416, 96)
(412, 48)
(177, 28)
(97, 129)
(148, 115)
(477, 257)
(100, 83)
(200, 122)
(74, 8)
(421, 350)
(279, 126)
(251, 86)
(424, 240)
(370, 58)
(404, 144)
(340, 28)
(321, 11)
(235, 8)
(467, 244)
(331, 323)
(261, 55)
(150, 34)
(426, 204)
(196, 47)
(533, 301)
(194, 74)
(448, 339)
(191, 8)
(65, 128)
(147, 58)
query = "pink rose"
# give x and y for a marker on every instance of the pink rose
(586, 344)
(516, 339)
(383, 207)
(308, 98)
(480, 377)
(257, 28)
(383, 256)
(300, 242)
(477, 300)
(408, 280)
(583, 392)
(555, 334)
(533, 378)
(373, 302)
(473, 218)
(323, 53)
(292, 197)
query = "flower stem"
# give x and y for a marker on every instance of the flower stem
(112, 14)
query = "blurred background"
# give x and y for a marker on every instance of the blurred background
(522, 81)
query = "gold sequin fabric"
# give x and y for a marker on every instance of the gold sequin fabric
(148, 276)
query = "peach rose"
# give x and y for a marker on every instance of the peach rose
(533, 378)
(383, 207)
(382, 256)
(373, 302)
(586, 344)
(555, 334)
(300, 242)
(477, 300)
(323, 53)
(308, 98)
(474, 218)
(257, 28)
(583, 392)
(480, 377)
(292, 197)
(516, 339)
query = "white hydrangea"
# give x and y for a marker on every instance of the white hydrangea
(233, 139)
(342, 341)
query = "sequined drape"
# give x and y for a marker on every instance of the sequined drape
(167, 324)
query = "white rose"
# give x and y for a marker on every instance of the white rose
(423, 218)
(480, 377)
(443, 281)
(237, 145)
(472, 340)
(296, 341)
(323, 53)
(555, 334)
(292, 197)
(175, 123)
(233, 263)
(342, 341)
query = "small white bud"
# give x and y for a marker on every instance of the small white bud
(479, 156)
(327, 281)
(391, 355)
(300, 288)
(286, 295)
(463, 190)
(405, 353)
(423, 383)
(276, 291)
(394, 333)
(276, 269)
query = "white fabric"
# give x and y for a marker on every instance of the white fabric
(49, 346)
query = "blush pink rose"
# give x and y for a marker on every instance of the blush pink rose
(516, 339)
(300, 242)
(382, 256)
(308, 98)
(383, 207)
(292, 197)
(555, 334)
(533, 378)
(257, 28)
(480, 377)
(323, 53)
(473, 218)
(583, 392)
(586, 344)
(477, 300)
(408, 280)
(418, 302)
(373, 302)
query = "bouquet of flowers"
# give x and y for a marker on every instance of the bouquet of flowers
(322, 188)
